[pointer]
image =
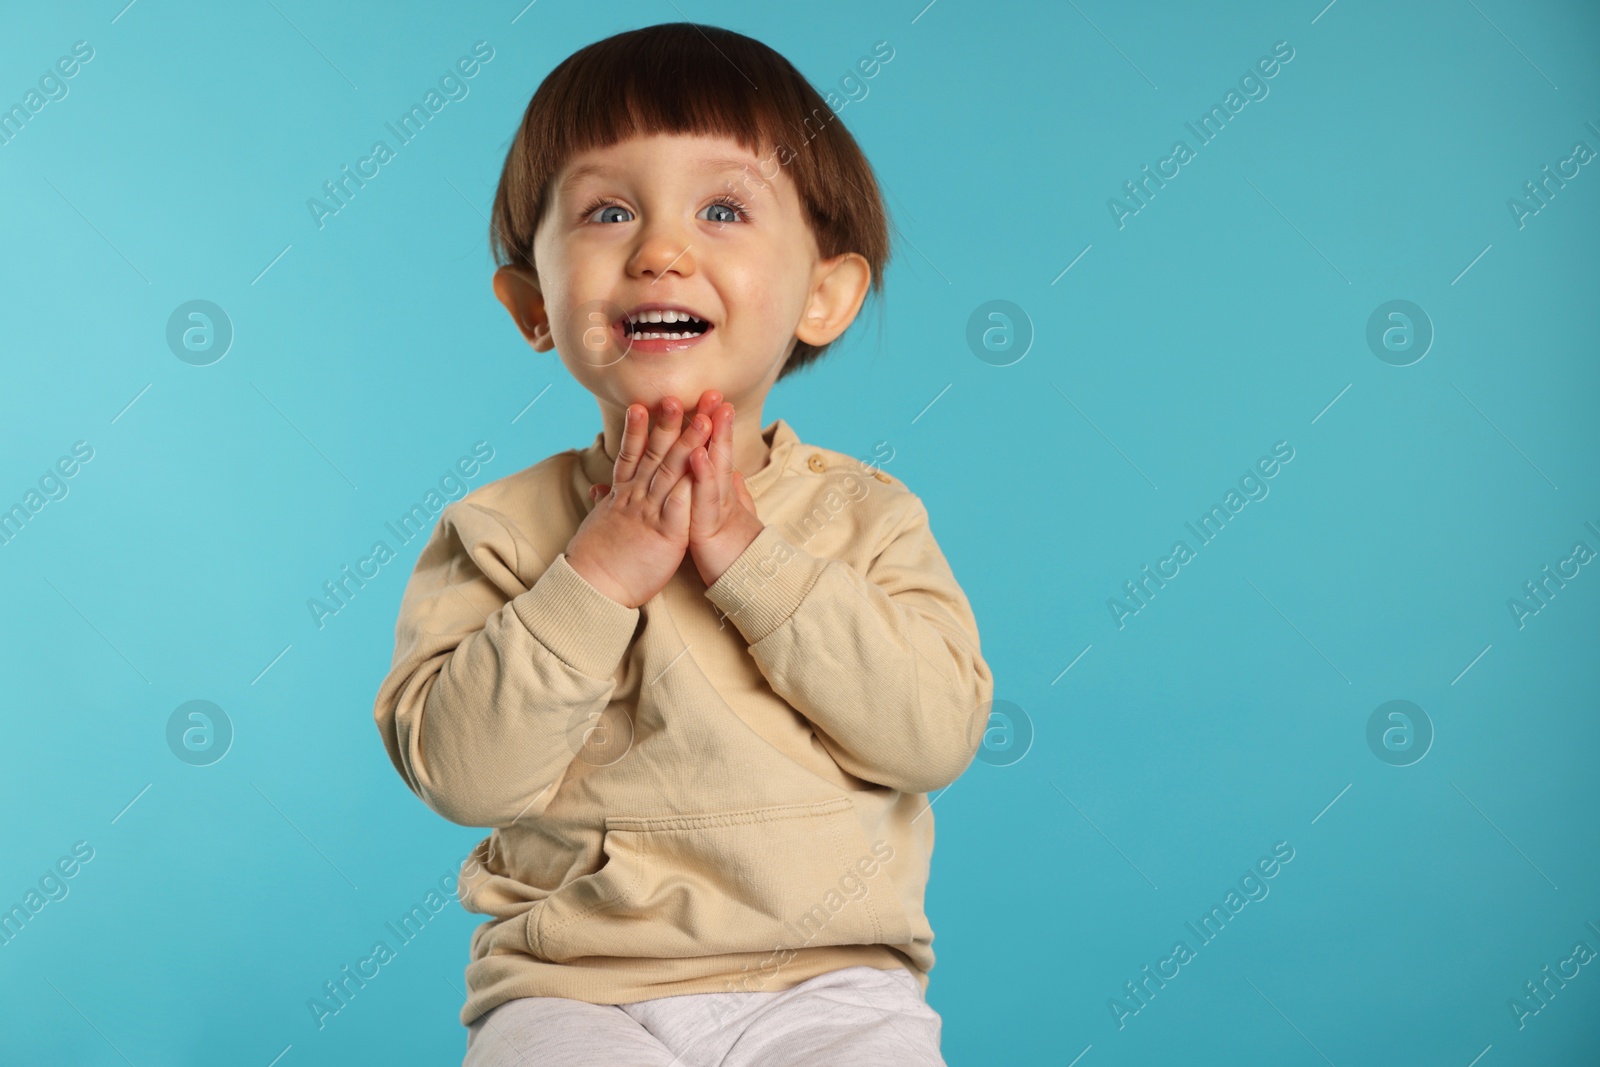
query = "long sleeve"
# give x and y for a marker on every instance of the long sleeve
(492, 683)
(886, 664)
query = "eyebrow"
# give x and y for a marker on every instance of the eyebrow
(712, 165)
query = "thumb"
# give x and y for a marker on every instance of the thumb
(597, 491)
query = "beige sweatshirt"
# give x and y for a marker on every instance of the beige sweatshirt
(723, 789)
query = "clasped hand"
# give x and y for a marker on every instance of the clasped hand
(673, 490)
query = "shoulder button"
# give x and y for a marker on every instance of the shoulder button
(882, 477)
(816, 464)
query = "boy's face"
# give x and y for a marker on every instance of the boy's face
(654, 220)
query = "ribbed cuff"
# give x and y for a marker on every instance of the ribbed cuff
(587, 629)
(765, 585)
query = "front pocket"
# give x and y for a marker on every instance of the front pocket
(756, 880)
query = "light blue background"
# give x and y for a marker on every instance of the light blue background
(1230, 313)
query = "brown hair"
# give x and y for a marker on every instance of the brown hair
(688, 78)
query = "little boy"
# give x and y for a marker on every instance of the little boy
(697, 677)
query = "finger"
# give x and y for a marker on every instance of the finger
(706, 502)
(675, 510)
(635, 428)
(664, 430)
(597, 491)
(676, 461)
(709, 401)
(720, 449)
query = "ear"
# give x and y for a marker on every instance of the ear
(838, 286)
(518, 289)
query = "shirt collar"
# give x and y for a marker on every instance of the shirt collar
(597, 466)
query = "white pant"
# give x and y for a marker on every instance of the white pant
(854, 1017)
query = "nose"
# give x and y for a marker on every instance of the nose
(663, 247)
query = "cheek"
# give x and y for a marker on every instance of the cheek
(569, 291)
(765, 300)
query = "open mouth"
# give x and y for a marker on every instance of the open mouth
(663, 326)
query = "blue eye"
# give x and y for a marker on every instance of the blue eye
(728, 203)
(598, 205)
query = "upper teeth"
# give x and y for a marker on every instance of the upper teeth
(668, 315)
